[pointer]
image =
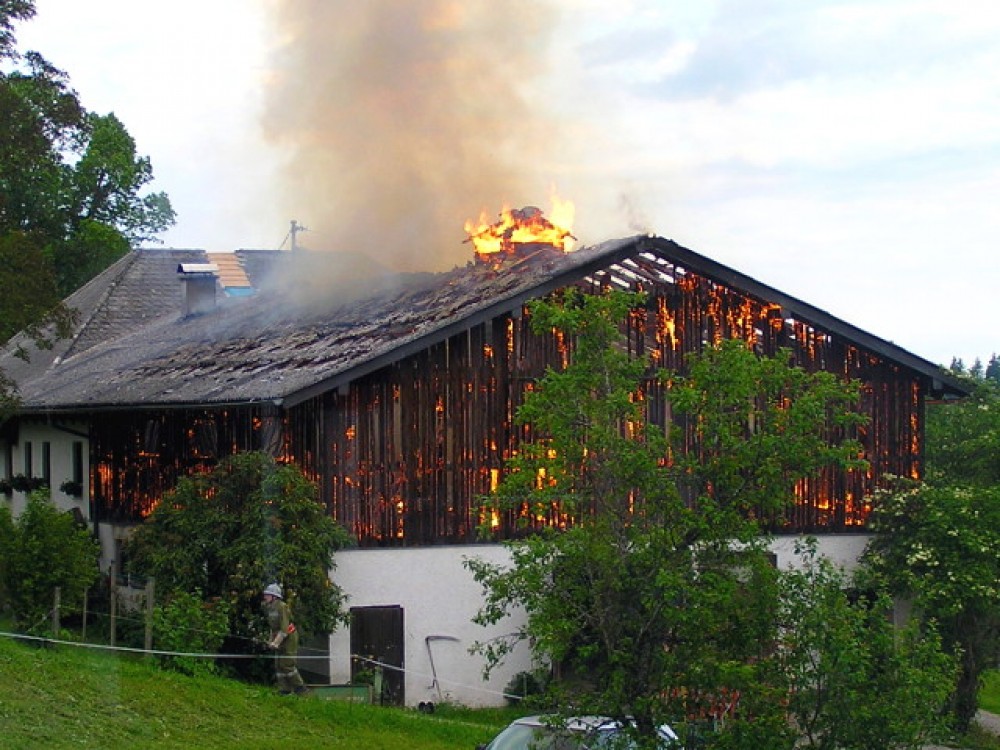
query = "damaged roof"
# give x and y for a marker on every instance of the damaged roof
(317, 321)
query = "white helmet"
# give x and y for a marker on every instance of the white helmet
(274, 590)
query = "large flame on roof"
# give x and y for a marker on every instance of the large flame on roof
(521, 228)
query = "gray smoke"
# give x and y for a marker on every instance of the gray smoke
(403, 119)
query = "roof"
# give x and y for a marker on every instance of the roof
(303, 333)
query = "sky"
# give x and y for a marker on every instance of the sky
(846, 152)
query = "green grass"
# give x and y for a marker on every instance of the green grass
(66, 697)
(62, 697)
(989, 694)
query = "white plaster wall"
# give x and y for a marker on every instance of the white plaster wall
(842, 549)
(439, 598)
(61, 464)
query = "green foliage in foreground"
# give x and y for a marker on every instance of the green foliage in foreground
(937, 544)
(62, 697)
(44, 549)
(230, 532)
(188, 624)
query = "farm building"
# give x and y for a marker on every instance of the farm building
(396, 393)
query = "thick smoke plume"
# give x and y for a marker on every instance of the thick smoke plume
(403, 119)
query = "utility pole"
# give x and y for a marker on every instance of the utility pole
(295, 229)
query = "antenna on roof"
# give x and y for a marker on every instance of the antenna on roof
(293, 231)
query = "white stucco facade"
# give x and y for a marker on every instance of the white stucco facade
(54, 453)
(843, 550)
(439, 599)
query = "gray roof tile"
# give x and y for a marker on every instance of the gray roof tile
(315, 322)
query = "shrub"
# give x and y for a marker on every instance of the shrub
(47, 549)
(525, 685)
(6, 537)
(188, 625)
(228, 533)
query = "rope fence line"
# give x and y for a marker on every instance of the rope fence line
(116, 616)
(134, 650)
(202, 655)
(426, 676)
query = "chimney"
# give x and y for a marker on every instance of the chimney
(199, 287)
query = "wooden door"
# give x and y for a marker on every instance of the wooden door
(377, 648)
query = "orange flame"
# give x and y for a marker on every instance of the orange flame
(523, 226)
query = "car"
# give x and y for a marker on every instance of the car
(542, 732)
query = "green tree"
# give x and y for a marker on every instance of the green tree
(94, 247)
(993, 369)
(939, 546)
(105, 184)
(61, 165)
(658, 597)
(41, 121)
(70, 184)
(756, 426)
(30, 299)
(6, 538)
(963, 439)
(937, 543)
(852, 680)
(228, 533)
(47, 549)
(11, 11)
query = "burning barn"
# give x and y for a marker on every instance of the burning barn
(397, 395)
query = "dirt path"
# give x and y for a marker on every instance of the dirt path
(989, 722)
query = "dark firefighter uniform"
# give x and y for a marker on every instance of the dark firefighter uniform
(284, 640)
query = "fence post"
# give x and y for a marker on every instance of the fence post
(150, 589)
(55, 612)
(113, 590)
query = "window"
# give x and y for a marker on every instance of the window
(78, 462)
(47, 463)
(27, 459)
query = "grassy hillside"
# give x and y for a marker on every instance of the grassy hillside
(63, 697)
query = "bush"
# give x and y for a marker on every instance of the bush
(228, 533)
(188, 625)
(525, 685)
(855, 681)
(44, 549)
(6, 537)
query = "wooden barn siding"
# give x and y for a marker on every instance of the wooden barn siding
(137, 456)
(404, 456)
(412, 446)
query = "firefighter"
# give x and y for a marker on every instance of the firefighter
(284, 640)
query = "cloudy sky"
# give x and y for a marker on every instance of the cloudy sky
(846, 152)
